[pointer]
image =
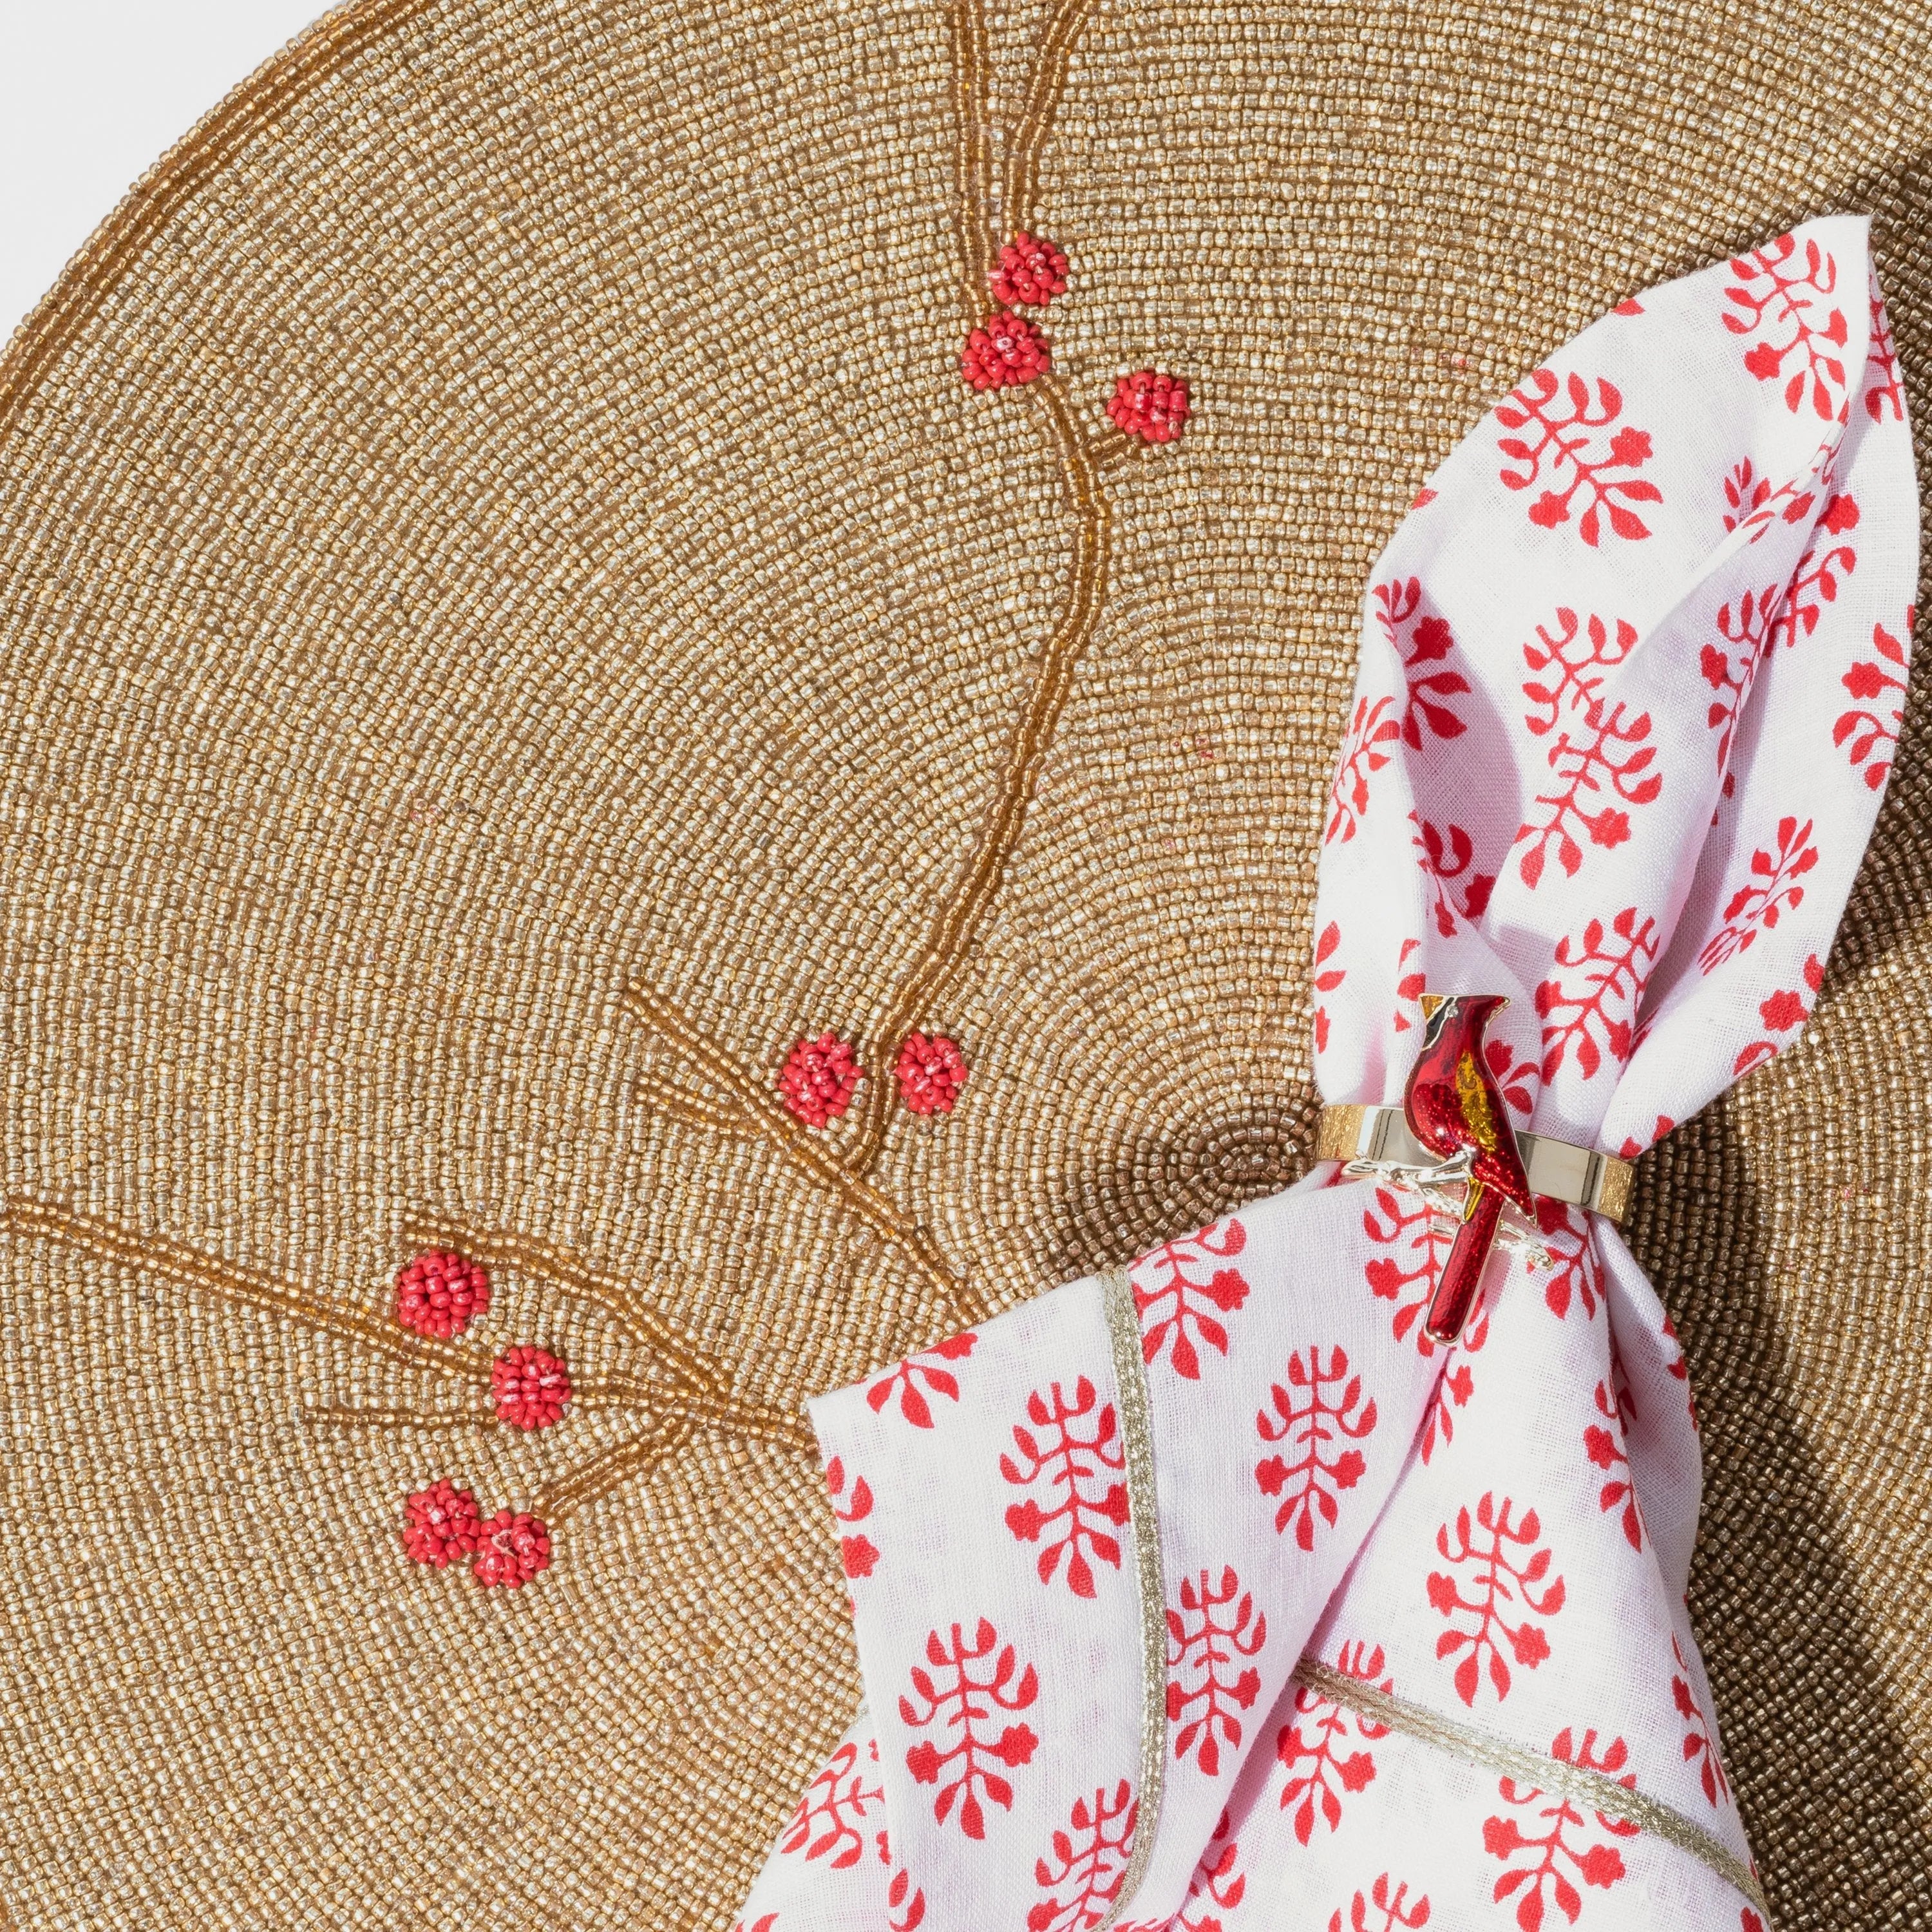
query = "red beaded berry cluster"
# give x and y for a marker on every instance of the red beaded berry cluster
(1006, 350)
(819, 1079)
(531, 1387)
(1031, 272)
(514, 1548)
(439, 1293)
(1150, 406)
(931, 1070)
(820, 1076)
(441, 1523)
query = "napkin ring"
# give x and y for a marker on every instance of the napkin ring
(1558, 1170)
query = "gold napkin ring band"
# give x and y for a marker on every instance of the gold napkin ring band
(1578, 1176)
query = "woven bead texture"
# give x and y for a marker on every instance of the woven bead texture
(513, 622)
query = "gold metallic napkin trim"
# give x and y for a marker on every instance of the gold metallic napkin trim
(1596, 1788)
(1124, 1333)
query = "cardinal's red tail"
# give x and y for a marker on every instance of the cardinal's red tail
(1462, 1272)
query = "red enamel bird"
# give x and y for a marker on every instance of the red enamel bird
(1453, 1105)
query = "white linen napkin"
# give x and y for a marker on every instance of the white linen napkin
(1276, 1613)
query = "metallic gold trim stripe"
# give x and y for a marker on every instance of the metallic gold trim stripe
(1580, 1176)
(1124, 1333)
(1595, 1789)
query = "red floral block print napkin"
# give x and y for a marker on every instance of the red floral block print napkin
(1631, 675)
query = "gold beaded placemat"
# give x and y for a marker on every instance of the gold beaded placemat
(514, 626)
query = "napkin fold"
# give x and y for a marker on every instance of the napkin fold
(1214, 1595)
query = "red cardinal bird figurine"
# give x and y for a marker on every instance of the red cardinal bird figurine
(1453, 1105)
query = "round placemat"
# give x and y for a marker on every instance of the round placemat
(513, 622)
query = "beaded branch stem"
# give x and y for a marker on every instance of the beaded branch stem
(685, 1389)
(758, 1113)
(690, 1391)
(1084, 451)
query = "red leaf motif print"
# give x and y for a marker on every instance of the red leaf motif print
(907, 1903)
(1319, 1745)
(1754, 505)
(1599, 754)
(1090, 1859)
(768, 1923)
(1604, 1443)
(1428, 643)
(971, 1687)
(1567, 666)
(1364, 752)
(1421, 1240)
(1392, 1909)
(1320, 1408)
(1326, 982)
(1789, 1007)
(1506, 1576)
(1595, 1013)
(1573, 1278)
(1700, 1745)
(1452, 1391)
(1601, 766)
(1075, 1471)
(1814, 583)
(1841, 512)
(1772, 891)
(920, 1376)
(1210, 1639)
(1447, 856)
(1563, 419)
(1327, 978)
(1537, 1861)
(828, 1823)
(1512, 1076)
(1783, 297)
(1885, 395)
(1176, 1286)
(859, 1554)
(1409, 986)
(1744, 630)
(1868, 734)
(1219, 1885)
(1635, 1145)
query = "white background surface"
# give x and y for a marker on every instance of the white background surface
(92, 93)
